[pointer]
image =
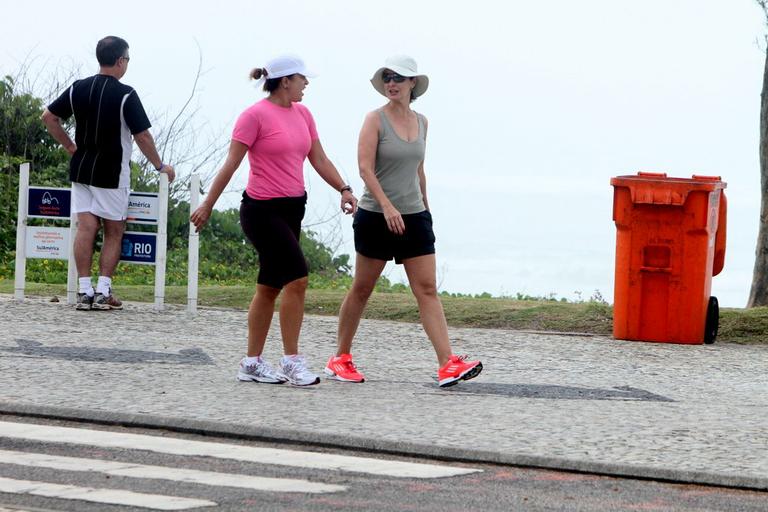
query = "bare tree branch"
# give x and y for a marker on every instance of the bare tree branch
(181, 143)
(192, 94)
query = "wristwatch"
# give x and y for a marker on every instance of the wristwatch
(345, 188)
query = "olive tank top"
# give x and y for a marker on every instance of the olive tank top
(397, 169)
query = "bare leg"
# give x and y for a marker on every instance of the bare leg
(110, 250)
(292, 314)
(421, 276)
(87, 227)
(367, 272)
(260, 317)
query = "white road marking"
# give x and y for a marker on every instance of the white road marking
(108, 496)
(270, 456)
(131, 470)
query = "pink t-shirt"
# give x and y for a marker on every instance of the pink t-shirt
(278, 140)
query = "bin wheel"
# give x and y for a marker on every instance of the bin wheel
(713, 321)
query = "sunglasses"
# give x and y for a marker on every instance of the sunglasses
(389, 77)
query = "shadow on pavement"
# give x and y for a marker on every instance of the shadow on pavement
(189, 356)
(552, 392)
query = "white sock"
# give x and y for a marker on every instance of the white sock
(252, 360)
(104, 285)
(85, 286)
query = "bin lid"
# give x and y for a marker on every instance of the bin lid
(658, 188)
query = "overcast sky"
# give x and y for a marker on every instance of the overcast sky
(533, 107)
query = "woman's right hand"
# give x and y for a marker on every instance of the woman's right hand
(200, 216)
(394, 219)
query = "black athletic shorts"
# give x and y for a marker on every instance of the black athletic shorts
(374, 239)
(273, 226)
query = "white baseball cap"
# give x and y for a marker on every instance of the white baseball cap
(286, 65)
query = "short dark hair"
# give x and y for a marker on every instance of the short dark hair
(110, 49)
(271, 84)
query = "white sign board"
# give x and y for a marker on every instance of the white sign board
(143, 208)
(47, 242)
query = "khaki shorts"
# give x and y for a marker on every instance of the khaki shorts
(107, 203)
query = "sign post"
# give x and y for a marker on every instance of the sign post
(145, 247)
(21, 234)
(162, 243)
(72, 284)
(47, 242)
(56, 242)
(194, 246)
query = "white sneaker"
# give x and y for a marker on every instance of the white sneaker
(294, 370)
(261, 371)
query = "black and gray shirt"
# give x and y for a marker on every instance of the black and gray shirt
(107, 114)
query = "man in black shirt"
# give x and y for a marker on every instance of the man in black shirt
(108, 114)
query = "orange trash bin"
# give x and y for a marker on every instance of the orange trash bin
(670, 241)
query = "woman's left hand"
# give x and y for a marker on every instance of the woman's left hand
(200, 216)
(348, 202)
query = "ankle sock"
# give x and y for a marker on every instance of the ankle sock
(104, 285)
(85, 286)
(252, 360)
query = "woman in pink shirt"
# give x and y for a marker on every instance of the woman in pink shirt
(277, 133)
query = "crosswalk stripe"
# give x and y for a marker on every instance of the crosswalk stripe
(272, 456)
(131, 470)
(107, 496)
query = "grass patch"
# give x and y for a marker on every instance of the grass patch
(736, 325)
(744, 325)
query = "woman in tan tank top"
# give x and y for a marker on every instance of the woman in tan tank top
(393, 221)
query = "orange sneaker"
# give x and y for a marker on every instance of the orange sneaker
(342, 368)
(458, 368)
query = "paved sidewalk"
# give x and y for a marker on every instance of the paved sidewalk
(687, 413)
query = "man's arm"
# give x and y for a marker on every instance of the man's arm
(147, 146)
(57, 131)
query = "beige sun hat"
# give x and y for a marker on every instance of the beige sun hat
(405, 66)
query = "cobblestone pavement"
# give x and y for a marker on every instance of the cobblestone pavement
(688, 413)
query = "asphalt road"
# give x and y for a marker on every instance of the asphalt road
(151, 462)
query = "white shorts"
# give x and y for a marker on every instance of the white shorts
(107, 203)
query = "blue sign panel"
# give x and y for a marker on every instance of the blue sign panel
(138, 247)
(49, 202)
